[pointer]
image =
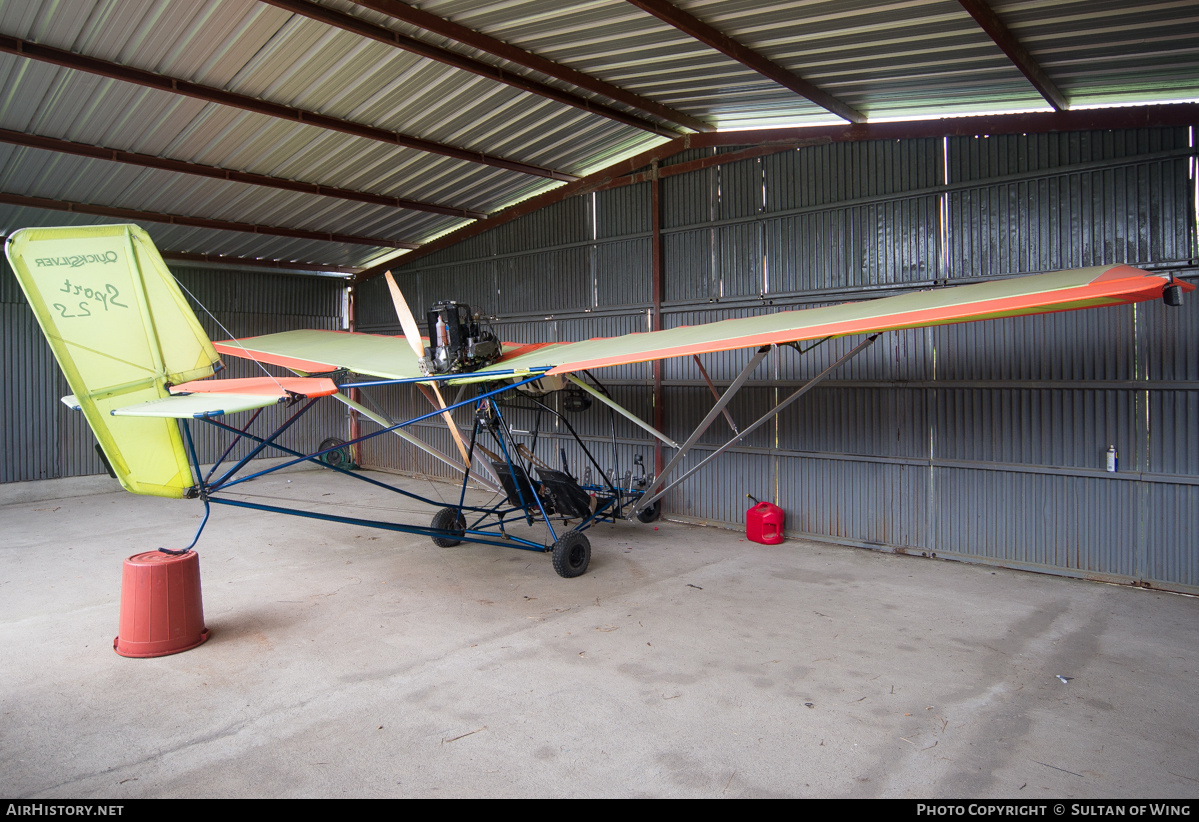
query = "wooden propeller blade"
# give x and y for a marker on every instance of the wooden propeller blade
(438, 402)
(412, 332)
(407, 321)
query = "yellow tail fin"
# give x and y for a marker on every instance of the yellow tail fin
(121, 330)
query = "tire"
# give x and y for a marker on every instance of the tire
(572, 555)
(448, 519)
(650, 514)
(335, 459)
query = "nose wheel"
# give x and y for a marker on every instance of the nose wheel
(448, 519)
(572, 554)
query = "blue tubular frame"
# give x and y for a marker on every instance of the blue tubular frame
(191, 449)
(262, 444)
(499, 375)
(241, 435)
(365, 437)
(516, 479)
(480, 531)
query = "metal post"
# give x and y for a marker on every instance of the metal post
(657, 290)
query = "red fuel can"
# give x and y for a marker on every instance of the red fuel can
(764, 523)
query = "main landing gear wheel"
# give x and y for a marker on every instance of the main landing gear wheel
(650, 514)
(336, 459)
(572, 554)
(448, 519)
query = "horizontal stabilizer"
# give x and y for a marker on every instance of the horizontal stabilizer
(197, 406)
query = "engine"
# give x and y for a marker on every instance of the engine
(457, 340)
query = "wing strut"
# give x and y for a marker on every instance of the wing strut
(647, 501)
(724, 400)
(633, 418)
(704, 372)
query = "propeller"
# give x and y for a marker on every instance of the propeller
(407, 321)
(412, 332)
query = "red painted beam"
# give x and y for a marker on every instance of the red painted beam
(708, 162)
(989, 21)
(172, 85)
(1174, 114)
(709, 36)
(226, 259)
(218, 173)
(474, 39)
(658, 288)
(196, 222)
(460, 61)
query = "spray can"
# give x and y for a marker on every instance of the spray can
(1112, 459)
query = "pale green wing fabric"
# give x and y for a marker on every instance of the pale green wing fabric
(314, 351)
(392, 358)
(121, 330)
(187, 406)
(1036, 294)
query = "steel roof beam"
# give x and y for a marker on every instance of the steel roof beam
(172, 85)
(662, 172)
(706, 34)
(459, 61)
(196, 222)
(218, 173)
(224, 259)
(989, 21)
(498, 48)
(1036, 122)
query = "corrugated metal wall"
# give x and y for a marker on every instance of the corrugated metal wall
(984, 442)
(44, 440)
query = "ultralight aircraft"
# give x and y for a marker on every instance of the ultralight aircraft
(140, 368)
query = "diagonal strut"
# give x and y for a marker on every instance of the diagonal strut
(644, 503)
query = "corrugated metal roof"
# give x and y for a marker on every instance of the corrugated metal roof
(906, 59)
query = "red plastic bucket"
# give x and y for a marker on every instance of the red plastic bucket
(161, 608)
(764, 523)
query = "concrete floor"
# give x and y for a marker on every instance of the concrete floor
(686, 662)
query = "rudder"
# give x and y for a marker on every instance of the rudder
(121, 331)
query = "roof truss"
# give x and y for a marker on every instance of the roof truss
(173, 85)
(197, 222)
(469, 64)
(710, 36)
(217, 173)
(989, 21)
(474, 39)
